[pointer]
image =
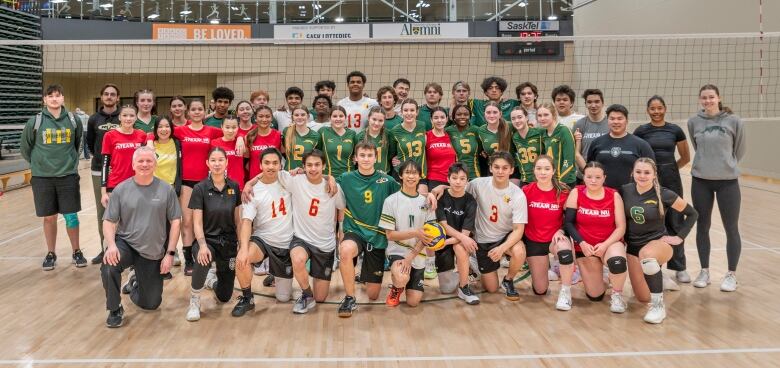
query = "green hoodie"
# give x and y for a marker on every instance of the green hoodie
(52, 150)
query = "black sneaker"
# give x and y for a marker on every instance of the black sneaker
(244, 305)
(167, 276)
(509, 287)
(78, 259)
(98, 258)
(188, 265)
(348, 305)
(268, 281)
(50, 261)
(131, 283)
(114, 319)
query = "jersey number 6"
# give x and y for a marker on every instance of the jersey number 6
(314, 207)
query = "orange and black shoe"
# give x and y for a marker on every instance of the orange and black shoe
(394, 296)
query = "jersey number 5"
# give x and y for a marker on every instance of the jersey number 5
(493, 213)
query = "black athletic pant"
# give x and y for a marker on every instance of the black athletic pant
(224, 256)
(704, 193)
(669, 178)
(148, 294)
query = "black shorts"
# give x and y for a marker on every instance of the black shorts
(435, 183)
(189, 183)
(445, 259)
(487, 265)
(321, 262)
(56, 195)
(416, 276)
(279, 263)
(633, 249)
(373, 259)
(536, 249)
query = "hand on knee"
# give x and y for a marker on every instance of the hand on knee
(650, 266)
(565, 257)
(617, 265)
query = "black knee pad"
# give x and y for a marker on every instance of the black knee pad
(566, 257)
(596, 298)
(538, 293)
(617, 265)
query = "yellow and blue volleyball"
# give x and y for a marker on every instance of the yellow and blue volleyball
(436, 232)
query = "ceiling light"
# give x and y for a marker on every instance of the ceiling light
(58, 1)
(214, 21)
(339, 19)
(552, 17)
(107, 6)
(185, 12)
(233, 8)
(522, 4)
(153, 16)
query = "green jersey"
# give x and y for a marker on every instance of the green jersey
(338, 150)
(411, 145)
(364, 197)
(301, 144)
(146, 128)
(393, 122)
(478, 110)
(488, 140)
(385, 151)
(526, 151)
(425, 116)
(560, 146)
(214, 121)
(467, 147)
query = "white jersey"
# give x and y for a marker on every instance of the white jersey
(271, 214)
(284, 119)
(314, 210)
(401, 212)
(568, 121)
(497, 210)
(357, 112)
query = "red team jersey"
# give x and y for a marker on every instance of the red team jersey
(242, 132)
(273, 139)
(235, 167)
(439, 156)
(121, 147)
(545, 213)
(195, 145)
(595, 218)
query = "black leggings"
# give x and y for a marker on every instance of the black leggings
(226, 271)
(669, 176)
(729, 199)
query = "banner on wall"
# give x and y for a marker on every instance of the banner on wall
(162, 31)
(421, 30)
(321, 31)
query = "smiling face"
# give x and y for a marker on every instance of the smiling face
(244, 111)
(145, 102)
(527, 97)
(197, 111)
(355, 85)
(375, 122)
(127, 117)
(657, 111)
(229, 128)
(178, 108)
(709, 101)
(109, 97)
(293, 100)
(300, 117)
(492, 115)
(270, 163)
(387, 101)
(543, 170)
(617, 123)
(563, 104)
(545, 117)
(263, 118)
(313, 167)
(409, 112)
(337, 119)
(402, 90)
(462, 117)
(594, 178)
(643, 174)
(163, 129)
(519, 120)
(439, 119)
(217, 163)
(594, 103)
(144, 163)
(501, 170)
(366, 158)
(54, 100)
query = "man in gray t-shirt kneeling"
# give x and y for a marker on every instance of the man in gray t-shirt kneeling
(136, 226)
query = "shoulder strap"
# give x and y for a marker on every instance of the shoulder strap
(37, 125)
(72, 120)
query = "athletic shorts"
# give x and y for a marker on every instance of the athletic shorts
(445, 259)
(487, 265)
(189, 183)
(435, 183)
(279, 263)
(416, 275)
(373, 259)
(633, 249)
(53, 195)
(536, 249)
(321, 262)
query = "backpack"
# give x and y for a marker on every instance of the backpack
(39, 118)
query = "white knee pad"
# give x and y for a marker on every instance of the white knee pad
(448, 282)
(283, 289)
(650, 266)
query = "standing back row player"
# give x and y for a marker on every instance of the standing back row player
(357, 105)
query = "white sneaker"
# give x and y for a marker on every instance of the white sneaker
(703, 279)
(564, 299)
(176, 259)
(467, 295)
(656, 313)
(552, 273)
(669, 284)
(617, 304)
(211, 278)
(262, 269)
(304, 304)
(193, 312)
(575, 276)
(729, 282)
(683, 277)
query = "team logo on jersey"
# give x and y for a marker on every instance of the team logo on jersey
(377, 273)
(231, 191)
(309, 141)
(615, 151)
(330, 140)
(381, 180)
(506, 199)
(419, 134)
(532, 141)
(554, 140)
(651, 201)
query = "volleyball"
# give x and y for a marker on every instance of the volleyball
(434, 230)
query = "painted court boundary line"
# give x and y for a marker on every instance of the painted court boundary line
(459, 358)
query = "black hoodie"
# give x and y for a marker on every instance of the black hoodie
(97, 126)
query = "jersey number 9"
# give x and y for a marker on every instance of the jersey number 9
(368, 196)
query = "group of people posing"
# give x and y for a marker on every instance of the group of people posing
(313, 190)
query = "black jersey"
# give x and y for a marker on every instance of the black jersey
(643, 220)
(663, 140)
(459, 213)
(218, 208)
(618, 156)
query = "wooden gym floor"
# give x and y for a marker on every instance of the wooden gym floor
(57, 318)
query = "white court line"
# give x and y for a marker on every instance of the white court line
(457, 358)
(37, 228)
(750, 242)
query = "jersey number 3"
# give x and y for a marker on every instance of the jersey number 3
(493, 213)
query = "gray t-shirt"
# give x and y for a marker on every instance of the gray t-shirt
(590, 131)
(142, 213)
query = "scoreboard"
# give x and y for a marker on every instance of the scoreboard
(530, 45)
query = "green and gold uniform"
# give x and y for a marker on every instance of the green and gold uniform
(467, 147)
(301, 145)
(338, 150)
(560, 146)
(478, 110)
(385, 152)
(364, 197)
(411, 145)
(393, 122)
(488, 140)
(147, 128)
(425, 116)
(526, 151)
